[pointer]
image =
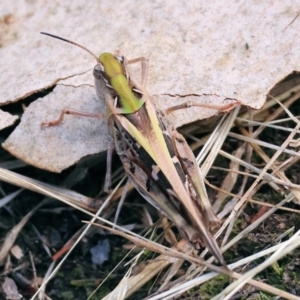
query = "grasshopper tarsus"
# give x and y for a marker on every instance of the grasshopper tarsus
(49, 124)
(57, 121)
(225, 108)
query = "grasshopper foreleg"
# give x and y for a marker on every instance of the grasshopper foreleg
(67, 111)
(144, 68)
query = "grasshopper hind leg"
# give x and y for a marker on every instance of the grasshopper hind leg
(155, 196)
(107, 182)
(221, 108)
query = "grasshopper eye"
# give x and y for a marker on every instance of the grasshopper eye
(98, 71)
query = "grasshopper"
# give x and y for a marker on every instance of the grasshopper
(155, 156)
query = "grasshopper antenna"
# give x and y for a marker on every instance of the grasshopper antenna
(71, 42)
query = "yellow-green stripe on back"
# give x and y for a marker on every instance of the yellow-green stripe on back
(115, 72)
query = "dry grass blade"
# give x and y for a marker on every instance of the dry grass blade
(59, 193)
(189, 284)
(9, 197)
(260, 143)
(155, 247)
(216, 140)
(266, 177)
(14, 232)
(293, 243)
(230, 180)
(78, 239)
(255, 224)
(169, 256)
(130, 284)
